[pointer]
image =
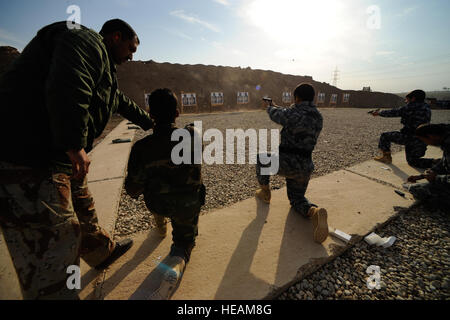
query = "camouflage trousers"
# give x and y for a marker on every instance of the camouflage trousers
(436, 194)
(49, 221)
(183, 210)
(297, 171)
(414, 148)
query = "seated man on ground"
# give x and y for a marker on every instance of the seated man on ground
(302, 124)
(415, 113)
(170, 190)
(435, 192)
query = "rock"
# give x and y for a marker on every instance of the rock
(323, 283)
(436, 284)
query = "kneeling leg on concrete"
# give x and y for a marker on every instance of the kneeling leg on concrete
(415, 150)
(296, 189)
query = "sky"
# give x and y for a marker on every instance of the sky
(391, 46)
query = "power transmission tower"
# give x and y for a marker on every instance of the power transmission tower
(335, 76)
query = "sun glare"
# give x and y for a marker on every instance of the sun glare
(286, 21)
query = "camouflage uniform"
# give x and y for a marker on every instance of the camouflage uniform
(48, 221)
(412, 115)
(438, 191)
(173, 191)
(302, 124)
(61, 92)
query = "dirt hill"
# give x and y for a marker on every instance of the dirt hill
(138, 77)
(7, 56)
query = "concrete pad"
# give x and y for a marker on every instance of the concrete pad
(249, 250)
(109, 160)
(107, 196)
(105, 181)
(395, 173)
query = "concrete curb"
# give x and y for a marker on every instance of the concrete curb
(105, 180)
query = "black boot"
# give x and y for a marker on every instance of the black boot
(122, 246)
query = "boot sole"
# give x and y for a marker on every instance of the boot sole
(321, 229)
(169, 292)
(383, 161)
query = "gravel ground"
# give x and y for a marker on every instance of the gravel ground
(416, 267)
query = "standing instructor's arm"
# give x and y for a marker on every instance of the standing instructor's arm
(131, 111)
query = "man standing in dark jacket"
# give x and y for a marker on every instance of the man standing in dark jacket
(55, 99)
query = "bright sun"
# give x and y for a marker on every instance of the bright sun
(288, 21)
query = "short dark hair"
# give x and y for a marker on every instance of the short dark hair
(427, 129)
(305, 92)
(114, 25)
(163, 105)
(418, 94)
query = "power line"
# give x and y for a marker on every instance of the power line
(335, 76)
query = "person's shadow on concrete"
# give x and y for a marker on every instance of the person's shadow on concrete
(147, 247)
(87, 278)
(148, 288)
(298, 252)
(236, 278)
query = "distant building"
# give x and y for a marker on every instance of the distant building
(367, 89)
(443, 104)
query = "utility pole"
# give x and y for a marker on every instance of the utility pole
(335, 77)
